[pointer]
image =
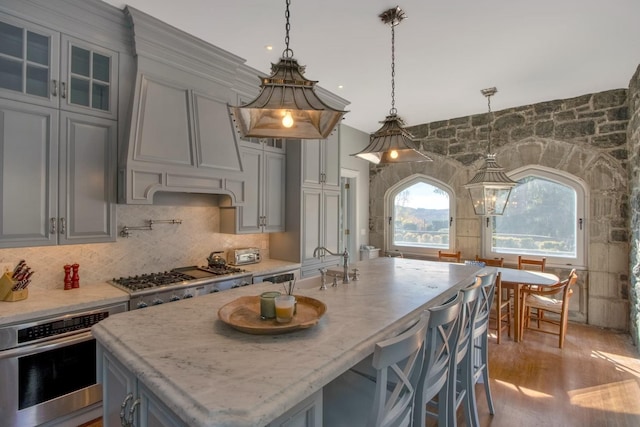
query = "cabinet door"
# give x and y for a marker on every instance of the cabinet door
(29, 62)
(307, 413)
(312, 162)
(250, 213)
(28, 169)
(311, 225)
(331, 161)
(152, 412)
(87, 179)
(274, 191)
(331, 220)
(90, 79)
(117, 383)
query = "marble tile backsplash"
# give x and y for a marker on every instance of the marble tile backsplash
(165, 247)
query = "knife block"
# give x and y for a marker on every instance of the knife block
(6, 294)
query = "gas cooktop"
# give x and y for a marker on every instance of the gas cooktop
(177, 276)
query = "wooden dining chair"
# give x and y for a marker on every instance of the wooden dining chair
(449, 256)
(531, 263)
(357, 400)
(502, 310)
(546, 299)
(491, 262)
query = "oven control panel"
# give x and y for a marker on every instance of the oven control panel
(43, 329)
(62, 326)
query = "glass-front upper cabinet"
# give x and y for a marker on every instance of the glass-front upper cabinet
(90, 73)
(28, 62)
(46, 68)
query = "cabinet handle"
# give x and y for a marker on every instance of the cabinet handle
(132, 411)
(123, 408)
(54, 87)
(63, 225)
(63, 90)
(52, 225)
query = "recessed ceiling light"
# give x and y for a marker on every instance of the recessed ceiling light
(268, 47)
(340, 86)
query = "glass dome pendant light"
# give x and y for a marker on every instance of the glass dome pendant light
(287, 106)
(392, 143)
(490, 187)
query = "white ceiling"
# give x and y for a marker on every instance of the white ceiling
(446, 51)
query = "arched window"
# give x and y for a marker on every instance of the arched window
(545, 217)
(419, 216)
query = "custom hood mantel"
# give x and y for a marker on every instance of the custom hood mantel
(181, 137)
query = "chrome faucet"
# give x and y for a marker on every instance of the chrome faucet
(320, 252)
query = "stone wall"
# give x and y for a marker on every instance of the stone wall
(585, 136)
(633, 136)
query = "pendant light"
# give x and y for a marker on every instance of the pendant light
(490, 187)
(287, 106)
(392, 143)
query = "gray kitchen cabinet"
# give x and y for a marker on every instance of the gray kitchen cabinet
(58, 175)
(123, 392)
(321, 227)
(51, 69)
(121, 389)
(321, 162)
(313, 205)
(307, 413)
(263, 209)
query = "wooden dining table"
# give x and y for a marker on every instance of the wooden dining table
(515, 279)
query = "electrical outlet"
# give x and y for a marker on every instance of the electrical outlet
(6, 266)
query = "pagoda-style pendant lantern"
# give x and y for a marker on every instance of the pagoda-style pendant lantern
(490, 187)
(392, 143)
(287, 106)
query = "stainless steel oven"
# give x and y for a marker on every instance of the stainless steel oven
(48, 367)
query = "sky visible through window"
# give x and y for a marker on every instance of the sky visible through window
(422, 195)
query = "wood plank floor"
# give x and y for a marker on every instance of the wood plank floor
(593, 381)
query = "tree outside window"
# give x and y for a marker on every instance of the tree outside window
(420, 213)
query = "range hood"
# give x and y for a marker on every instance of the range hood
(180, 136)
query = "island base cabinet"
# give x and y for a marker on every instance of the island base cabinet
(123, 394)
(307, 413)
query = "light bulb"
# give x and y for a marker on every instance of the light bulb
(287, 120)
(393, 154)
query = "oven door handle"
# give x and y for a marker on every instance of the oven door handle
(46, 345)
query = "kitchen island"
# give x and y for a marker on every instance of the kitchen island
(205, 373)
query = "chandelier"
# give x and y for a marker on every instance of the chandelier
(287, 106)
(392, 143)
(490, 187)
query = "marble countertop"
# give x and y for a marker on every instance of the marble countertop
(52, 302)
(270, 266)
(208, 373)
